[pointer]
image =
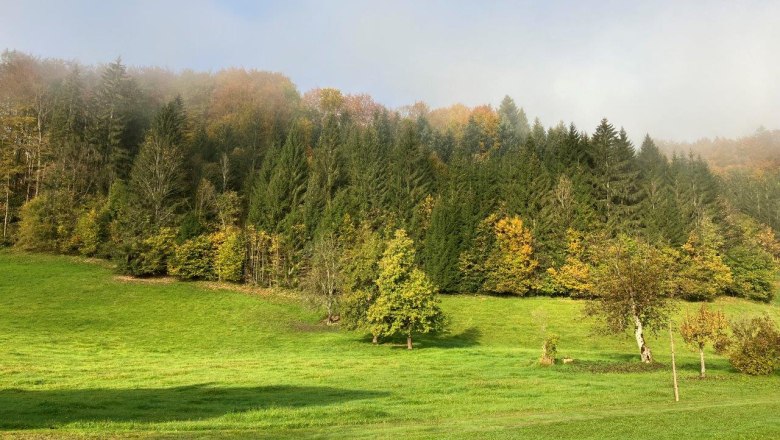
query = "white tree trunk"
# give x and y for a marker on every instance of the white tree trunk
(674, 365)
(702, 374)
(644, 350)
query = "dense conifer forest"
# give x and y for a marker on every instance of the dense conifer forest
(238, 176)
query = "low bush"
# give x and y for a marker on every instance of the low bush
(755, 346)
(230, 254)
(549, 349)
(148, 257)
(193, 260)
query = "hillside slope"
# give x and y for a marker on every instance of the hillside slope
(85, 353)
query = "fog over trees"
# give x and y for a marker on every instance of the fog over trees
(236, 175)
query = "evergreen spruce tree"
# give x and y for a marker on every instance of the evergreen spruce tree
(158, 171)
(113, 122)
(327, 176)
(412, 175)
(442, 244)
(283, 195)
(613, 175)
(513, 124)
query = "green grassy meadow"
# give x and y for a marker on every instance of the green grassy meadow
(84, 353)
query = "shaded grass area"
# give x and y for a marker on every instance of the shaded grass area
(85, 354)
(18, 407)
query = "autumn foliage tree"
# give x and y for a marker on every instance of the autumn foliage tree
(704, 327)
(511, 264)
(245, 149)
(573, 276)
(703, 274)
(755, 346)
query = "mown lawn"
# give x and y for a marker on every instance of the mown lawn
(83, 353)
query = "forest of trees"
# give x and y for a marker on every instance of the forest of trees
(239, 177)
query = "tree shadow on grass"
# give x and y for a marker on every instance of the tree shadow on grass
(617, 363)
(28, 409)
(467, 338)
(693, 367)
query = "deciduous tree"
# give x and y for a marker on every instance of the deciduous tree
(407, 301)
(632, 286)
(704, 327)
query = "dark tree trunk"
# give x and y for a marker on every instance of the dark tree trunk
(7, 208)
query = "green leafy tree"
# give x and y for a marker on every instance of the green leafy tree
(513, 124)
(659, 217)
(362, 248)
(36, 230)
(88, 233)
(411, 174)
(193, 260)
(277, 200)
(158, 250)
(613, 174)
(407, 301)
(442, 244)
(328, 175)
(112, 131)
(753, 272)
(573, 276)
(632, 288)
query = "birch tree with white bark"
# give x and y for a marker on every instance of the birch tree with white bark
(633, 286)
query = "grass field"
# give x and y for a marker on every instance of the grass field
(83, 353)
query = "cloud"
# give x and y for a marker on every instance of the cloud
(678, 70)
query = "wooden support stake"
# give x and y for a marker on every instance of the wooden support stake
(674, 365)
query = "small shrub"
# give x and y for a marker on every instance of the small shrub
(193, 260)
(755, 347)
(549, 349)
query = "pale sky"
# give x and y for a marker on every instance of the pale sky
(678, 70)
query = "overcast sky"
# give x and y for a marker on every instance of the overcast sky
(678, 70)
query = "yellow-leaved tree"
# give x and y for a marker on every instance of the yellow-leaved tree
(573, 276)
(511, 263)
(705, 327)
(703, 274)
